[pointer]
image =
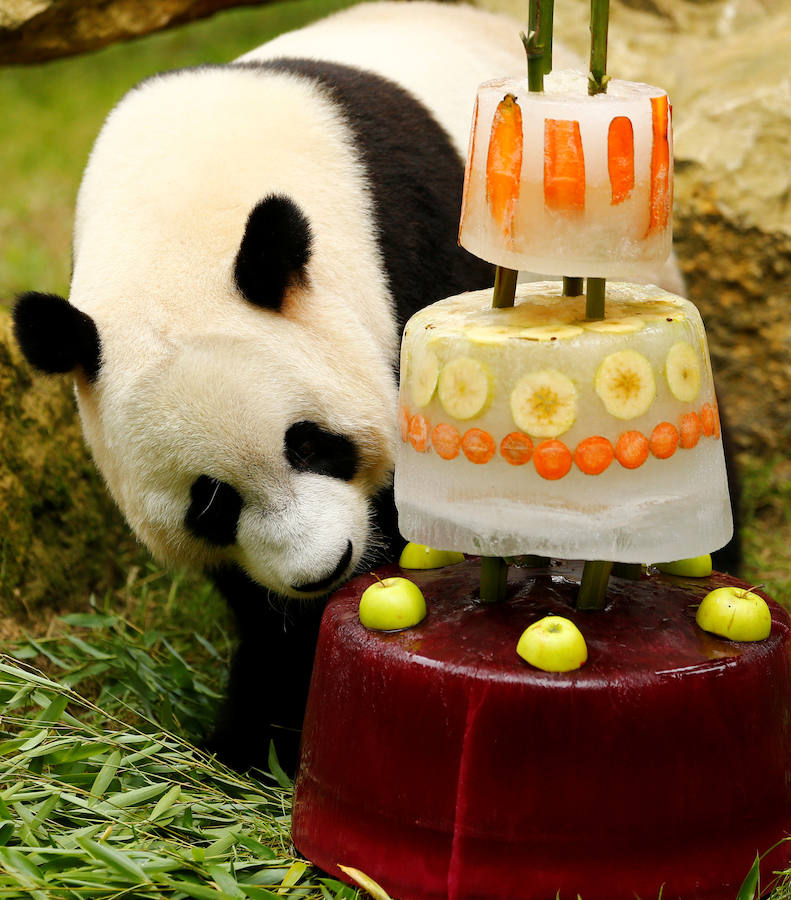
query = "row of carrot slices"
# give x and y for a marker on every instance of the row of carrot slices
(553, 459)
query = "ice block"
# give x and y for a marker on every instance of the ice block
(443, 766)
(532, 430)
(562, 183)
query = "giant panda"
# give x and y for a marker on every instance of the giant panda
(249, 240)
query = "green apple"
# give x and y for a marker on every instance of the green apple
(734, 613)
(392, 604)
(419, 556)
(694, 567)
(553, 644)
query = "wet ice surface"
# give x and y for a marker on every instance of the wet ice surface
(613, 236)
(659, 509)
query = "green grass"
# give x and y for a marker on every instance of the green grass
(767, 524)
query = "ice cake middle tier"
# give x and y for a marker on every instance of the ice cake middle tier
(532, 430)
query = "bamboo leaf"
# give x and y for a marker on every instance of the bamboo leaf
(44, 811)
(295, 872)
(218, 847)
(277, 770)
(106, 774)
(115, 860)
(18, 862)
(225, 882)
(260, 850)
(6, 830)
(254, 892)
(750, 886)
(165, 802)
(54, 711)
(34, 741)
(87, 649)
(124, 799)
(198, 891)
(366, 883)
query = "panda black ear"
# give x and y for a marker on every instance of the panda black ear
(56, 336)
(274, 251)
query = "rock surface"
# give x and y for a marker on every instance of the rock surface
(725, 65)
(36, 30)
(60, 534)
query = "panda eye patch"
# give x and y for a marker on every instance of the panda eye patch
(311, 448)
(213, 513)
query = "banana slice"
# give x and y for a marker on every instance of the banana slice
(463, 387)
(544, 404)
(423, 378)
(682, 371)
(625, 383)
(490, 334)
(627, 325)
(550, 332)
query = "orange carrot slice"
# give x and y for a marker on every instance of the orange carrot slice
(707, 419)
(418, 433)
(661, 198)
(403, 423)
(689, 429)
(664, 440)
(446, 440)
(564, 166)
(620, 158)
(504, 163)
(478, 445)
(631, 449)
(552, 459)
(516, 448)
(593, 455)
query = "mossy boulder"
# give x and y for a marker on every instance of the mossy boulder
(61, 537)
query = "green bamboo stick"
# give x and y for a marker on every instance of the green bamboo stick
(594, 298)
(593, 585)
(545, 25)
(572, 286)
(596, 573)
(494, 575)
(598, 78)
(504, 287)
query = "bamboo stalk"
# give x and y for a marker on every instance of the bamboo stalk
(597, 77)
(594, 298)
(504, 287)
(593, 585)
(572, 286)
(494, 575)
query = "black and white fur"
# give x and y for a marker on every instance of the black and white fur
(249, 240)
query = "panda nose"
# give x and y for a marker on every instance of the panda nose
(323, 583)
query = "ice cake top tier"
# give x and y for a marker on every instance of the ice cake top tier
(564, 183)
(533, 430)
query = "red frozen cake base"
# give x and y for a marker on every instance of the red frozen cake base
(442, 765)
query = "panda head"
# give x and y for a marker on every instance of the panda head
(247, 439)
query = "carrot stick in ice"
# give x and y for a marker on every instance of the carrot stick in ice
(564, 166)
(620, 158)
(504, 163)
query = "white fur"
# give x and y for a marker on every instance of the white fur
(195, 380)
